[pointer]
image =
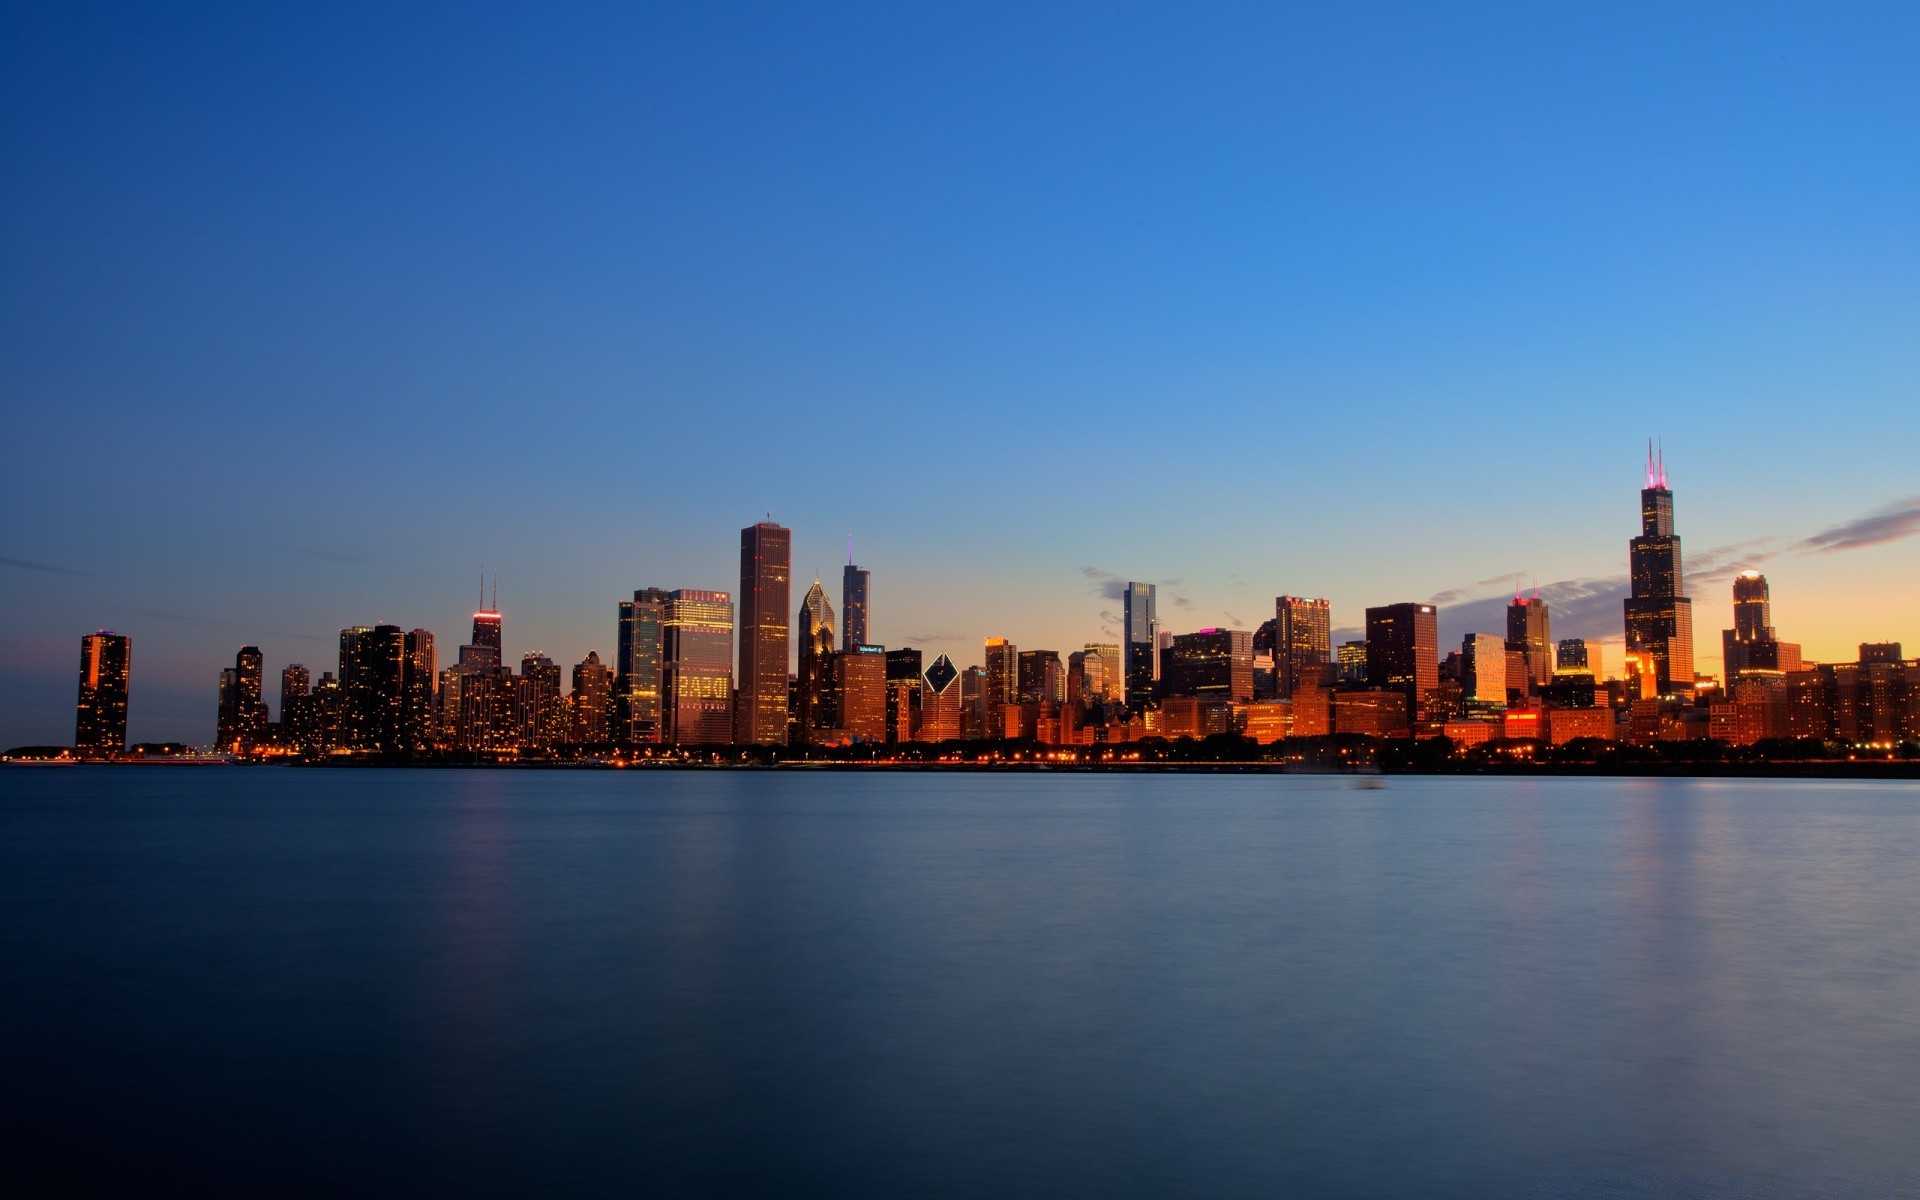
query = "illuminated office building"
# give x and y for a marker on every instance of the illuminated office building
(1212, 664)
(100, 711)
(973, 703)
(1483, 674)
(1302, 641)
(697, 667)
(1103, 673)
(637, 687)
(1000, 686)
(1659, 619)
(766, 553)
(1529, 630)
(860, 692)
(1403, 652)
(940, 703)
(1140, 644)
(1577, 656)
(1353, 662)
(855, 592)
(814, 624)
(541, 716)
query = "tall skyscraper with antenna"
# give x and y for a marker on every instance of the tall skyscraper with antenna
(1659, 617)
(855, 583)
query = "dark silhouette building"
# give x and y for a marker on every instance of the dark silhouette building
(814, 623)
(1212, 664)
(1139, 646)
(904, 686)
(856, 585)
(241, 722)
(637, 687)
(1530, 631)
(372, 674)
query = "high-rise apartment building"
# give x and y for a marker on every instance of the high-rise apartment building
(1302, 642)
(100, 712)
(637, 687)
(296, 685)
(541, 715)
(1659, 618)
(940, 703)
(766, 557)
(419, 675)
(242, 720)
(592, 693)
(1530, 631)
(814, 624)
(1403, 652)
(1214, 664)
(697, 669)
(1140, 644)
(855, 595)
(372, 677)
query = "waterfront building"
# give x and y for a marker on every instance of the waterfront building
(419, 676)
(1403, 652)
(1529, 630)
(100, 710)
(766, 552)
(1375, 712)
(1212, 664)
(816, 716)
(296, 686)
(242, 720)
(1103, 671)
(973, 703)
(541, 715)
(638, 690)
(1659, 618)
(372, 675)
(1140, 644)
(697, 667)
(855, 598)
(1302, 641)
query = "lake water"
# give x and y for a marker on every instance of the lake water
(264, 980)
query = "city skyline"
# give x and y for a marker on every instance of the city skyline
(1405, 652)
(1274, 301)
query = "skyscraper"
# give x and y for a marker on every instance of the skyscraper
(418, 676)
(860, 693)
(1213, 664)
(814, 624)
(1577, 656)
(766, 552)
(100, 712)
(1000, 685)
(940, 703)
(372, 670)
(295, 688)
(1484, 682)
(636, 669)
(1302, 642)
(1659, 619)
(1751, 647)
(1529, 630)
(1040, 678)
(242, 720)
(855, 592)
(903, 693)
(592, 692)
(541, 715)
(1403, 652)
(697, 671)
(1140, 643)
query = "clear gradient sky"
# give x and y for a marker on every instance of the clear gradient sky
(306, 313)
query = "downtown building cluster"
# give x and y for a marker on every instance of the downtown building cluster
(691, 670)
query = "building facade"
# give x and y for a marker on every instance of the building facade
(766, 556)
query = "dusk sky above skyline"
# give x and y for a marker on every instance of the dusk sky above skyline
(309, 313)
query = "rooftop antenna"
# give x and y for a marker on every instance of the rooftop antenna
(1663, 464)
(496, 591)
(483, 586)
(849, 549)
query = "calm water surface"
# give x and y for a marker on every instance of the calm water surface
(261, 981)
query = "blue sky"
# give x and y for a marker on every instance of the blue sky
(306, 313)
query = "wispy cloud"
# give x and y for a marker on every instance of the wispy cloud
(1889, 523)
(26, 564)
(1109, 586)
(1453, 595)
(216, 623)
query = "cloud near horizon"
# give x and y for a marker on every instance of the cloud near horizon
(1889, 523)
